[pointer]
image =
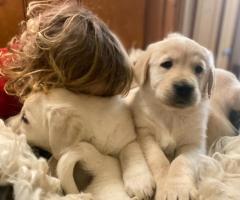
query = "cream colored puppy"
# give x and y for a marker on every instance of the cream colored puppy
(60, 120)
(170, 109)
(225, 97)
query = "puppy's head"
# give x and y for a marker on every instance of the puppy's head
(52, 127)
(177, 70)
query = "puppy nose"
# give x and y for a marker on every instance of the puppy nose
(183, 89)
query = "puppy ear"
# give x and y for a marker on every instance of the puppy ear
(210, 83)
(134, 55)
(64, 129)
(210, 79)
(140, 68)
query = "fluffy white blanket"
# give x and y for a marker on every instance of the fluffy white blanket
(218, 174)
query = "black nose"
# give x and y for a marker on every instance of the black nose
(183, 90)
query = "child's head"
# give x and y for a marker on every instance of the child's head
(63, 45)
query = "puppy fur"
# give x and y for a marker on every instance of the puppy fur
(225, 98)
(60, 120)
(105, 170)
(170, 109)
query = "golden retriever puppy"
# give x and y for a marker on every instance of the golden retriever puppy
(170, 109)
(225, 98)
(60, 120)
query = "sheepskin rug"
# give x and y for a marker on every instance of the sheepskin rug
(218, 173)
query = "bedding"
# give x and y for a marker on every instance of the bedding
(219, 172)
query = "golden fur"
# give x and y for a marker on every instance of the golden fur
(65, 45)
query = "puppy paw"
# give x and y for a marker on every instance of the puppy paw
(81, 196)
(177, 191)
(86, 196)
(140, 186)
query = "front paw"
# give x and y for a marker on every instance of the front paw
(81, 196)
(177, 190)
(140, 185)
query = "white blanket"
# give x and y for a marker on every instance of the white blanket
(219, 174)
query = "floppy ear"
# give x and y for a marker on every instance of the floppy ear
(64, 129)
(140, 69)
(210, 83)
(211, 78)
(134, 55)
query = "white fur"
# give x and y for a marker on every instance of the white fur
(60, 120)
(225, 97)
(172, 137)
(107, 182)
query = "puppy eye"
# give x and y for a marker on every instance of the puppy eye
(167, 64)
(24, 119)
(198, 69)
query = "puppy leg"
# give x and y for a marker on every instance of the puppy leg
(180, 181)
(137, 177)
(156, 159)
(68, 162)
(106, 184)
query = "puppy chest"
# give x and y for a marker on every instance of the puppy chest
(168, 144)
(111, 139)
(176, 133)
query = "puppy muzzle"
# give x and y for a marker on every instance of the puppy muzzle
(183, 94)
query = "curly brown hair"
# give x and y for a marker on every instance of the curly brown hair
(65, 45)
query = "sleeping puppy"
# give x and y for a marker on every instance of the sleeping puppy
(60, 120)
(225, 98)
(170, 109)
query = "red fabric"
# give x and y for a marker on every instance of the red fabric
(9, 105)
